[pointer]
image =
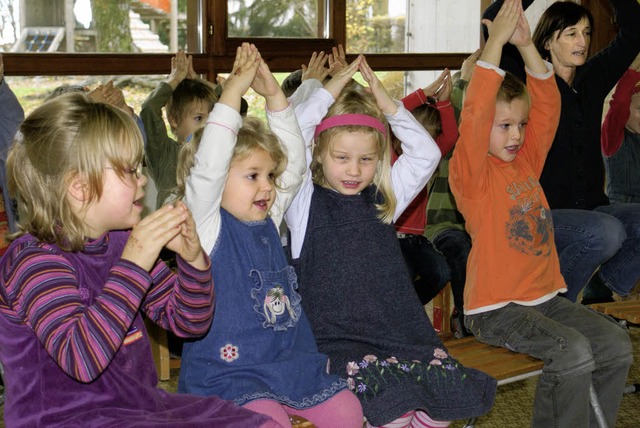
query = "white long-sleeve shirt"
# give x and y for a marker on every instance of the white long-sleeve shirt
(207, 178)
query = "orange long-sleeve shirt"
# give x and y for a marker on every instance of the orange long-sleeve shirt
(513, 256)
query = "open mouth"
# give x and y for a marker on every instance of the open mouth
(512, 149)
(262, 204)
(351, 184)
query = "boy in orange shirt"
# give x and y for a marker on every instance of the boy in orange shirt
(513, 273)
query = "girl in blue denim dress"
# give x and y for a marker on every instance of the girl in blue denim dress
(260, 351)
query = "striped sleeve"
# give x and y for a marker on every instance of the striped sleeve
(44, 291)
(182, 302)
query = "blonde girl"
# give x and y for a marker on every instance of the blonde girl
(260, 351)
(354, 283)
(83, 267)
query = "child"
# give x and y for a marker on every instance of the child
(188, 101)
(260, 352)
(513, 273)
(72, 284)
(428, 268)
(353, 280)
(445, 224)
(621, 139)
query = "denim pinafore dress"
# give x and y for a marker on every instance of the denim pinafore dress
(260, 344)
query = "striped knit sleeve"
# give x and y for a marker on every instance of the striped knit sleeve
(182, 302)
(44, 291)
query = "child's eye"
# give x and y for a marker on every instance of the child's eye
(504, 126)
(198, 118)
(272, 177)
(252, 176)
(367, 159)
(523, 125)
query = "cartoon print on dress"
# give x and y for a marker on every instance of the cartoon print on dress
(530, 225)
(276, 303)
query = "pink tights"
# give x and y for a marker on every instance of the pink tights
(341, 410)
(414, 419)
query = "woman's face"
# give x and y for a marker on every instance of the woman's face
(569, 47)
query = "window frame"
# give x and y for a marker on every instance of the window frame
(283, 55)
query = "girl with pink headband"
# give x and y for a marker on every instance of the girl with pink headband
(355, 287)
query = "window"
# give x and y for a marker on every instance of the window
(276, 18)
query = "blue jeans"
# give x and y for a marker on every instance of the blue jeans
(579, 347)
(427, 267)
(455, 245)
(607, 238)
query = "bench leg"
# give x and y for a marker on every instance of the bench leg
(597, 410)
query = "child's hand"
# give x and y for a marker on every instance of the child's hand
(187, 242)
(383, 100)
(504, 24)
(522, 34)
(340, 80)
(180, 65)
(151, 234)
(337, 60)
(444, 92)
(316, 68)
(242, 75)
(191, 73)
(468, 64)
(265, 84)
(434, 89)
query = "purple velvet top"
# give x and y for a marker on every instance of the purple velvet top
(73, 342)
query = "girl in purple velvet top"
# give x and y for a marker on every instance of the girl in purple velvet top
(75, 279)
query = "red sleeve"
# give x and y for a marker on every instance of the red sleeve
(618, 114)
(414, 100)
(449, 135)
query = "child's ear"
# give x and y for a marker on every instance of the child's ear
(78, 188)
(172, 121)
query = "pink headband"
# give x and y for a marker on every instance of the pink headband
(350, 119)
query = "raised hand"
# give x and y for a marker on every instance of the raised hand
(522, 34)
(468, 64)
(180, 65)
(242, 75)
(316, 68)
(337, 60)
(265, 84)
(437, 89)
(383, 100)
(504, 24)
(340, 80)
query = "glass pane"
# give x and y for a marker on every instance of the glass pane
(402, 26)
(276, 18)
(123, 26)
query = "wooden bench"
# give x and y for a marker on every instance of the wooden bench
(504, 365)
(627, 310)
(160, 350)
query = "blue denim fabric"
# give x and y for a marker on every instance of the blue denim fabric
(455, 245)
(427, 267)
(622, 271)
(607, 238)
(579, 347)
(584, 240)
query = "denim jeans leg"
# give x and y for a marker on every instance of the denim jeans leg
(584, 240)
(577, 345)
(455, 245)
(622, 271)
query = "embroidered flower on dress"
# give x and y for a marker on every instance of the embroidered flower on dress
(229, 352)
(439, 353)
(351, 383)
(352, 368)
(371, 375)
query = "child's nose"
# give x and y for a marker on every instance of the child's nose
(353, 168)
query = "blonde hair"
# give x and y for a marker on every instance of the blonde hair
(67, 137)
(253, 135)
(353, 100)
